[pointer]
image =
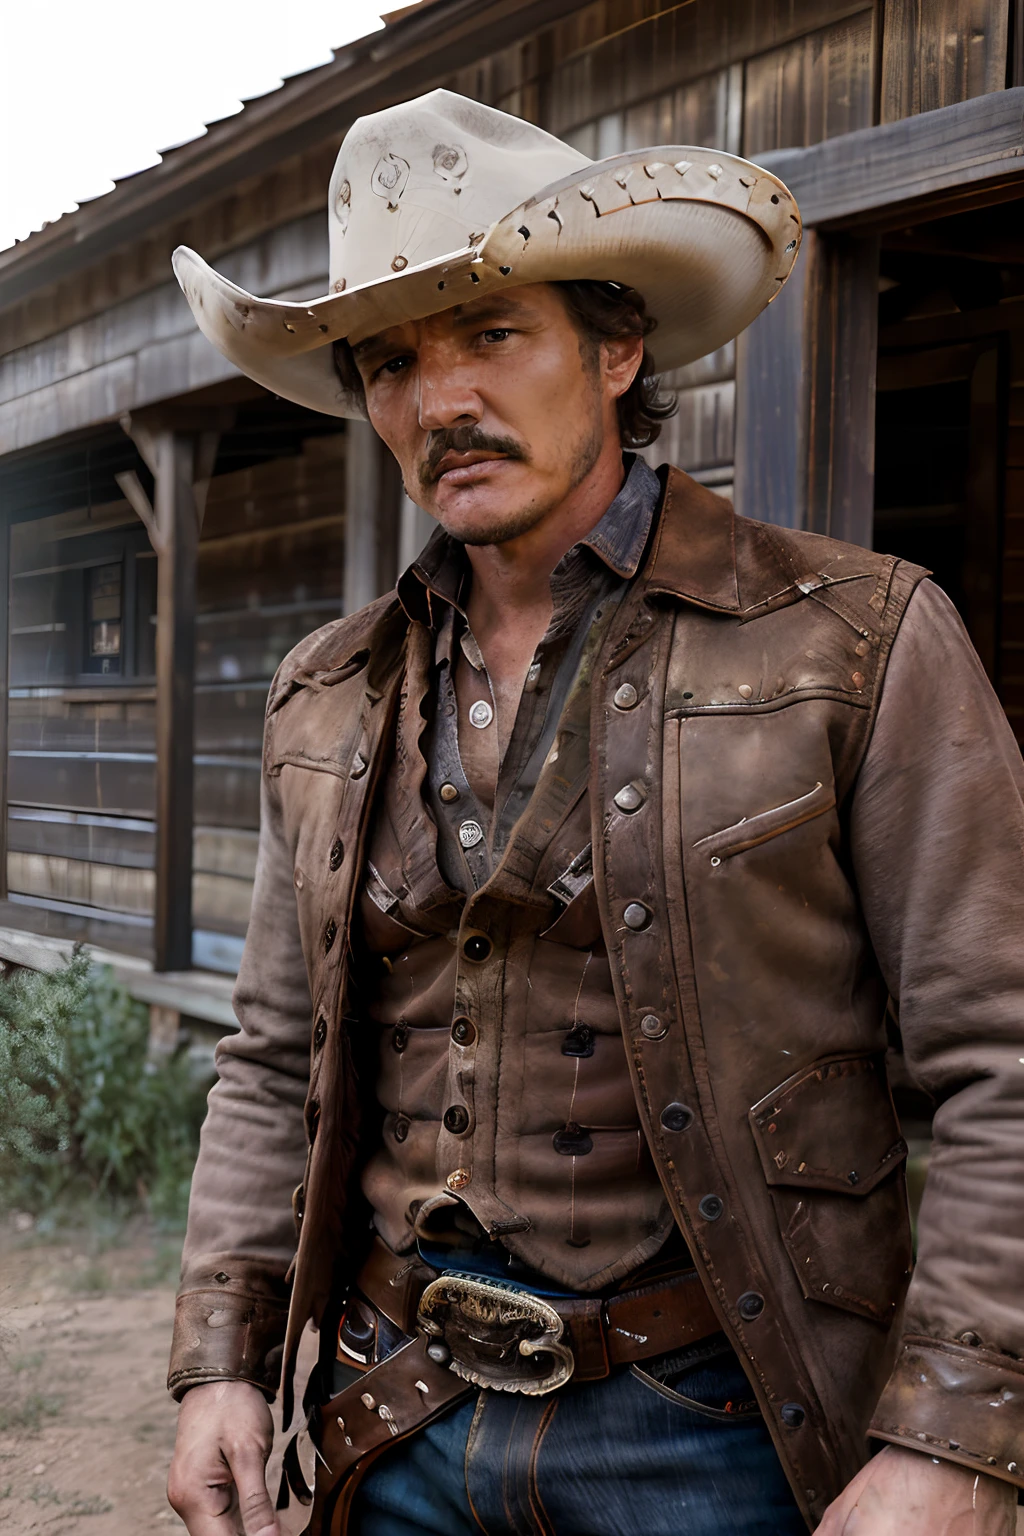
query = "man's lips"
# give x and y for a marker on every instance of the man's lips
(461, 468)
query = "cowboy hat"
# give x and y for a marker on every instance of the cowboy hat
(440, 199)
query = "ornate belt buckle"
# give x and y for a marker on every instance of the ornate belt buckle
(496, 1337)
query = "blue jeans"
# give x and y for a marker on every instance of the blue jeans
(628, 1456)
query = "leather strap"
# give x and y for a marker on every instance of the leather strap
(653, 1319)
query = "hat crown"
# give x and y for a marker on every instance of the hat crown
(428, 178)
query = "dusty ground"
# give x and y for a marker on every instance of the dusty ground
(86, 1426)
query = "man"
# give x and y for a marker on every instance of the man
(588, 861)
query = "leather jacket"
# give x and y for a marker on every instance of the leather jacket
(832, 816)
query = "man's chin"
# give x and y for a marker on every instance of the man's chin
(485, 518)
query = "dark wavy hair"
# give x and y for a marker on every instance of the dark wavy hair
(600, 312)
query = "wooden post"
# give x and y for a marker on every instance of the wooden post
(5, 633)
(372, 494)
(176, 519)
(805, 394)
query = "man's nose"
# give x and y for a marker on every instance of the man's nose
(446, 395)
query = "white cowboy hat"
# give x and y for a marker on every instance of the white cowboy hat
(441, 199)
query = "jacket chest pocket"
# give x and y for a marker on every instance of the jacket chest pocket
(833, 1156)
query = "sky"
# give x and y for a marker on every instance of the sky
(93, 89)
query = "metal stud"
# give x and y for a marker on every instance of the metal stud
(449, 793)
(636, 916)
(653, 1028)
(682, 166)
(630, 798)
(626, 697)
(481, 714)
(458, 1180)
(471, 833)
(744, 690)
(714, 171)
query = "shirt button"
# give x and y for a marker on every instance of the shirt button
(676, 1117)
(636, 916)
(337, 853)
(750, 1305)
(456, 1120)
(401, 1128)
(330, 934)
(626, 697)
(477, 947)
(652, 1027)
(471, 833)
(481, 714)
(792, 1415)
(463, 1031)
(711, 1207)
(449, 793)
(459, 1179)
(400, 1038)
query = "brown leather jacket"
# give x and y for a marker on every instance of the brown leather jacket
(811, 841)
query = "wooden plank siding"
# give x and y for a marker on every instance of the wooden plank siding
(814, 88)
(936, 52)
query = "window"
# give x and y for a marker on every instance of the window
(103, 618)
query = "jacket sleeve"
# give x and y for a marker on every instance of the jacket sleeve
(937, 837)
(232, 1302)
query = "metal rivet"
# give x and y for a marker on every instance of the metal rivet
(792, 1415)
(449, 793)
(463, 1031)
(481, 714)
(750, 1305)
(458, 1180)
(471, 833)
(456, 1120)
(744, 690)
(626, 697)
(857, 679)
(438, 1351)
(714, 171)
(337, 853)
(715, 861)
(682, 166)
(330, 934)
(401, 1129)
(399, 264)
(676, 1117)
(532, 676)
(368, 1400)
(853, 1178)
(652, 1027)
(221, 1278)
(477, 947)
(711, 1207)
(630, 798)
(636, 916)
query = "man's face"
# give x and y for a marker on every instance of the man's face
(495, 410)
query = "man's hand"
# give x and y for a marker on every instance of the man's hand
(217, 1482)
(909, 1493)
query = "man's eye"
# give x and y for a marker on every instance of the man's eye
(497, 334)
(394, 365)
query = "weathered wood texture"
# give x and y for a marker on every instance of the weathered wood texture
(373, 496)
(874, 176)
(813, 88)
(5, 593)
(936, 52)
(175, 701)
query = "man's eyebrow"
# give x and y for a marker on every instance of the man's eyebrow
(497, 308)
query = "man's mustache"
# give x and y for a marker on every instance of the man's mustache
(464, 440)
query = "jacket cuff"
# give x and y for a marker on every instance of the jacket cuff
(956, 1402)
(223, 1335)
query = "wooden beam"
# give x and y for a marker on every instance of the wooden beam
(372, 497)
(176, 519)
(805, 395)
(876, 175)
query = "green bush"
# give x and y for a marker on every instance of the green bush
(83, 1110)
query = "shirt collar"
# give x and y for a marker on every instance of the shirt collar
(618, 539)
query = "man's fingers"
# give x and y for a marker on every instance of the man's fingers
(248, 1469)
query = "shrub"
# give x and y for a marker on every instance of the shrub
(82, 1107)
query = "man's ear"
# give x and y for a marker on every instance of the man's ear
(621, 357)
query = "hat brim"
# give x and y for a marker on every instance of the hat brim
(707, 238)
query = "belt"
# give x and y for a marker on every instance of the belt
(442, 1335)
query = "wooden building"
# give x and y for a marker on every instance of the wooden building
(169, 530)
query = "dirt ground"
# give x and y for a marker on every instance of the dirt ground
(86, 1426)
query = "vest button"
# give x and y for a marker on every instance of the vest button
(652, 1027)
(636, 916)
(676, 1117)
(477, 947)
(463, 1031)
(320, 1032)
(449, 793)
(626, 697)
(471, 833)
(456, 1120)
(792, 1415)
(711, 1207)
(401, 1128)
(750, 1305)
(337, 853)
(330, 934)
(459, 1179)
(481, 714)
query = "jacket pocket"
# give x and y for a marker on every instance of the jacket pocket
(832, 1154)
(767, 824)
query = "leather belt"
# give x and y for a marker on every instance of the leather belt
(458, 1312)
(441, 1334)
